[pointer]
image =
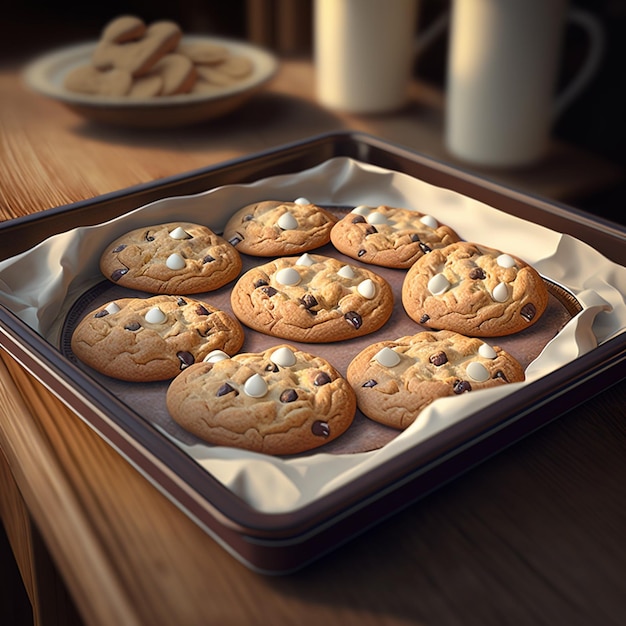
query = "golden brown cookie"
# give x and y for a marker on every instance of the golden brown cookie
(279, 228)
(312, 298)
(172, 258)
(280, 401)
(389, 236)
(141, 340)
(90, 80)
(395, 380)
(474, 290)
(123, 28)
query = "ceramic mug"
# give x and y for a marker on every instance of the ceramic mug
(503, 63)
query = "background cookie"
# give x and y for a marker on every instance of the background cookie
(277, 228)
(395, 380)
(474, 290)
(389, 236)
(155, 338)
(172, 258)
(312, 298)
(280, 401)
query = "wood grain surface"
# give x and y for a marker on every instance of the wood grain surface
(532, 536)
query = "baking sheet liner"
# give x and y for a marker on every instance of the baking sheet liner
(47, 286)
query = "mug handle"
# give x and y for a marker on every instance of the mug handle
(595, 34)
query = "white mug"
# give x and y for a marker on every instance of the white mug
(364, 52)
(503, 61)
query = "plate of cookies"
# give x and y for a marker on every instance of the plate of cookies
(152, 75)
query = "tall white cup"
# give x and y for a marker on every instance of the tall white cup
(503, 63)
(364, 51)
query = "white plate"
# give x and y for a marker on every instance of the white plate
(46, 74)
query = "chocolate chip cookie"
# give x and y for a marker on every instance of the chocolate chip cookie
(312, 298)
(174, 258)
(388, 236)
(277, 228)
(280, 401)
(395, 380)
(474, 290)
(149, 339)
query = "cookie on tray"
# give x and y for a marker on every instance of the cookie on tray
(279, 401)
(173, 258)
(395, 380)
(155, 338)
(389, 236)
(474, 290)
(312, 298)
(279, 228)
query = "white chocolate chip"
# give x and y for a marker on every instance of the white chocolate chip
(302, 201)
(112, 308)
(175, 262)
(367, 288)
(346, 272)
(505, 260)
(438, 284)
(477, 371)
(287, 221)
(287, 276)
(283, 357)
(486, 351)
(179, 233)
(387, 357)
(362, 209)
(255, 386)
(376, 218)
(215, 355)
(429, 220)
(306, 259)
(500, 293)
(155, 316)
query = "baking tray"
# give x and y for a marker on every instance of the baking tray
(280, 542)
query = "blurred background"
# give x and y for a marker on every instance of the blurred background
(596, 122)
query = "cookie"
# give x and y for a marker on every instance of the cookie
(172, 258)
(123, 28)
(279, 228)
(312, 298)
(90, 80)
(280, 401)
(388, 236)
(155, 338)
(395, 380)
(177, 74)
(474, 290)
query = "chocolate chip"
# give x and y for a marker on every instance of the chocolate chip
(224, 389)
(461, 386)
(200, 310)
(271, 367)
(358, 219)
(500, 374)
(439, 358)
(352, 317)
(269, 291)
(528, 311)
(370, 230)
(208, 259)
(117, 274)
(181, 302)
(149, 237)
(361, 252)
(321, 379)
(289, 395)
(424, 318)
(477, 273)
(308, 301)
(119, 248)
(102, 313)
(133, 326)
(415, 237)
(247, 217)
(320, 429)
(425, 248)
(370, 383)
(238, 238)
(186, 359)
(260, 283)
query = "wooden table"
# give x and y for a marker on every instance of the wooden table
(534, 536)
